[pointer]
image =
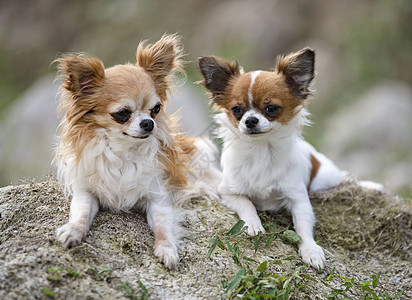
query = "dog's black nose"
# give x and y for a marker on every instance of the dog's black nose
(147, 125)
(251, 122)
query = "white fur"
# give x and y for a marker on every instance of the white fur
(271, 171)
(253, 76)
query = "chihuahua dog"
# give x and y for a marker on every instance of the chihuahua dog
(266, 163)
(118, 148)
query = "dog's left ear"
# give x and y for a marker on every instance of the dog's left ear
(299, 71)
(161, 61)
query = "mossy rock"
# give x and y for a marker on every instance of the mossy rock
(363, 232)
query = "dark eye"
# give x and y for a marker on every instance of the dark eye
(155, 110)
(237, 111)
(122, 116)
(271, 110)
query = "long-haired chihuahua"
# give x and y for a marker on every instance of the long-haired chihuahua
(266, 163)
(118, 148)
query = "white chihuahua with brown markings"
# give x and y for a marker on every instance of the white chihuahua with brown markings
(118, 148)
(266, 163)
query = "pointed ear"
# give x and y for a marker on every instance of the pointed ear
(217, 74)
(80, 74)
(161, 61)
(299, 71)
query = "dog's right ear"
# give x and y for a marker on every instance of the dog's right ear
(80, 74)
(217, 74)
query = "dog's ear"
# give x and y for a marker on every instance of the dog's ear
(299, 71)
(217, 74)
(161, 61)
(80, 74)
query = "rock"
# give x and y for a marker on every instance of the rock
(372, 137)
(364, 232)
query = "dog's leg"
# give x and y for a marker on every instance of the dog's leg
(304, 221)
(83, 209)
(245, 209)
(163, 220)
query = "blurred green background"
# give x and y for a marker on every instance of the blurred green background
(363, 104)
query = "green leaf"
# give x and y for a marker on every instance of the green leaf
(291, 236)
(145, 293)
(53, 277)
(262, 267)
(220, 244)
(127, 287)
(284, 294)
(105, 270)
(272, 291)
(272, 228)
(400, 293)
(54, 269)
(375, 281)
(255, 241)
(213, 243)
(47, 292)
(235, 282)
(269, 240)
(249, 259)
(73, 273)
(237, 229)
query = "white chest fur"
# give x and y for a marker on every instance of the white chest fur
(119, 179)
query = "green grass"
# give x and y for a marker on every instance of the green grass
(258, 280)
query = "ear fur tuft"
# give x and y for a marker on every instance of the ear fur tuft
(162, 61)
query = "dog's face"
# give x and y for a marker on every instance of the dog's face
(124, 101)
(133, 106)
(259, 102)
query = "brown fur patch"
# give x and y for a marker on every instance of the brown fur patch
(270, 88)
(315, 168)
(177, 156)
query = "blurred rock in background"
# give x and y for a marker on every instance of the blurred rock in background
(372, 137)
(363, 53)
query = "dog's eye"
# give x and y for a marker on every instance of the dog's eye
(271, 110)
(122, 116)
(155, 110)
(237, 111)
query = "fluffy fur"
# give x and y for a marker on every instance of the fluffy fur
(266, 163)
(118, 148)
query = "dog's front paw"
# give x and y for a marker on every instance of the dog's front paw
(71, 234)
(312, 254)
(167, 253)
(253, 228)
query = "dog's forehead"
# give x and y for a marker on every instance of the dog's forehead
(255, 87)
(132, 84)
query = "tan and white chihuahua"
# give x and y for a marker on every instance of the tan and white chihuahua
(118, 148)
(266, 163)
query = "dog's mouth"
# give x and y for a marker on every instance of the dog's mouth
(255, 133)
(142, 137)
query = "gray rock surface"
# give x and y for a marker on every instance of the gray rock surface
(363, 232)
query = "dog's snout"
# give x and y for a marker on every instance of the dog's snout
(251, 122)
(147, 125)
